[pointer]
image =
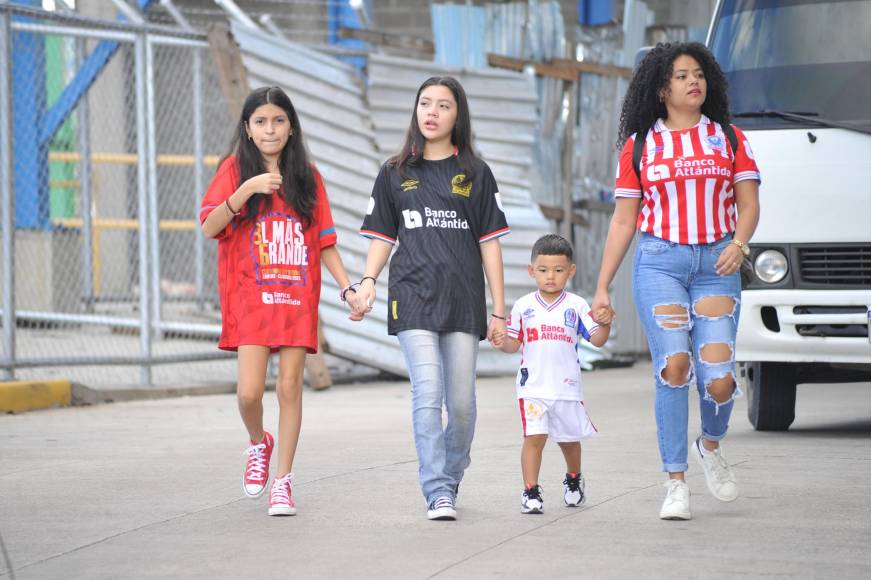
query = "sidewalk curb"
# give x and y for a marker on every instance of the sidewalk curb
(21, 396)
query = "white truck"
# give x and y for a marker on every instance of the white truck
(799, 75)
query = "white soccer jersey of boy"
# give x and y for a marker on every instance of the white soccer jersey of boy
(549, 333)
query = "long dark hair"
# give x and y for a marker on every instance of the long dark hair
(461, 136)
(298, 180)
(642, 105)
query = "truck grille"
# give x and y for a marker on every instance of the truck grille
(844, 266)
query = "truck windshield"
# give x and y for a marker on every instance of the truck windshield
(795, 56)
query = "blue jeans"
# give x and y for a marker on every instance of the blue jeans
(442, 370)
(669, 275)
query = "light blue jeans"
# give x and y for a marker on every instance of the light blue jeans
(442, 371)
(670, 274)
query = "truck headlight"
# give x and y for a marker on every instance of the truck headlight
(770, 266)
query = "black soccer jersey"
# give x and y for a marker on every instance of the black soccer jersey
(436, 277)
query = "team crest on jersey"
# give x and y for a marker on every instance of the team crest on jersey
(571, 317)
(409, 184)
(459, 188)
(528, 313)
(715, 141)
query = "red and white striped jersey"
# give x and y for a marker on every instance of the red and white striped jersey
(686, 181)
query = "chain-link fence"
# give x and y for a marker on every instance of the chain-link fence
(111, 135)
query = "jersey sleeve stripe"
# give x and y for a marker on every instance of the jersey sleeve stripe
(745, 175)
(494, 235)
(622, 192)
(327, 232)
(377, 236)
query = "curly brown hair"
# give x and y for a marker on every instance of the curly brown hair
(642, 106)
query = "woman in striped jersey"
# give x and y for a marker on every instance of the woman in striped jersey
(691, 190)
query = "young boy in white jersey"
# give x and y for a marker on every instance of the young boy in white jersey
(548, 325)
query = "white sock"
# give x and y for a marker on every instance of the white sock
(702, 447)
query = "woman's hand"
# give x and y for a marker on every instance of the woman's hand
(496, 331)
(601, 309)
(265, 183)
(729, 260)
(362, 300)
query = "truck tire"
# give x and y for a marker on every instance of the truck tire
(770, 389)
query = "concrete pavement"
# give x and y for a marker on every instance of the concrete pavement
(152, 489)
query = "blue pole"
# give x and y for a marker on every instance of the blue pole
(30, 155)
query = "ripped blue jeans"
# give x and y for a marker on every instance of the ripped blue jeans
(690, 314)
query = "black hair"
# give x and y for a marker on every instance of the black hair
(297, 175)
(411, 152)
(642, 105)
(552, 245)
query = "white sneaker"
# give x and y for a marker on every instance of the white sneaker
(718, 474)
(442, 508)
(573, 488)
(677, 501)
(531, 501)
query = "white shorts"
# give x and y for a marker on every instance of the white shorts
(562, 421)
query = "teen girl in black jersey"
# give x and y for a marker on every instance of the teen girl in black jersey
(440, 203)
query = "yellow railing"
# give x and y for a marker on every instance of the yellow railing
(100, 224)
(130, 158)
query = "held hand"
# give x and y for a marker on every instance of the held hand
(601, 303)
(265, 183)
(496, 328)
(604, 316)
(729, 260)
(363, 299)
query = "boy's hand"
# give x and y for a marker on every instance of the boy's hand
(604, 315)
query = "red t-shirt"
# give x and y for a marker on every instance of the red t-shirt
(686, 181)
(269, 270)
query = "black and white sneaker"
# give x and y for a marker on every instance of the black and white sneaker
(574, 485)
(531, 501)
(442, 508)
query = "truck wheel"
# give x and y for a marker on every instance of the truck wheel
(770, 389)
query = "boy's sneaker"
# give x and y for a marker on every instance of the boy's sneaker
(281, 497)
(256, 474)
(574, 485)
(718, 474)
(442, 508)
(531, 501)
(677, 501)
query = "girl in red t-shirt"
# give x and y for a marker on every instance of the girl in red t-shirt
(269, 212)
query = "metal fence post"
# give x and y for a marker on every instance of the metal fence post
(85, 189)
(142, 196)
(153, 204)
(7, 201)
(199, 239)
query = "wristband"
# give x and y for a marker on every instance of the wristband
(227, 201)
(344, 291)
(497, 316)
(364, 278)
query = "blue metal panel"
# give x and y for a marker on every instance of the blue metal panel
(341, 15)
(85, 77)
(459, 33)
(595, 12)
(30, 157)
